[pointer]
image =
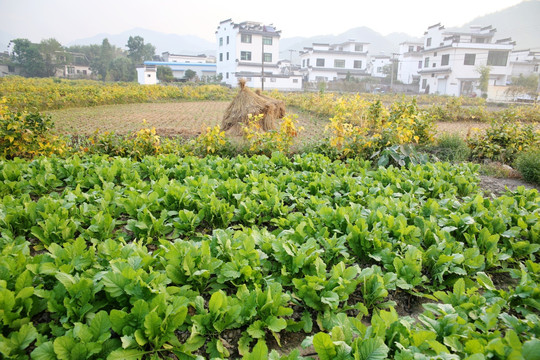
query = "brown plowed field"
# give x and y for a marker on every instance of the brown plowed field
(186, 119)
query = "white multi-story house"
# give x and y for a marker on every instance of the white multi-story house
(409, 62)
(188, 59)
(525, 62)
(451, 60)
(250, 50)
(326, 62)
(377, 64)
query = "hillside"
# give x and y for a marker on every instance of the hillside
(378, 43)
(520, 22)
(173, 43)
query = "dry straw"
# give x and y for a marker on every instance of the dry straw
(248, 102)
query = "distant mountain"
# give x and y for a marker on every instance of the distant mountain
(520, 22)
(173, 43)
(378, 43)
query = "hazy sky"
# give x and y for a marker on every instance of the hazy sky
(68, 20)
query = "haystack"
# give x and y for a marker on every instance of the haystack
(245, 103)
(278, 104)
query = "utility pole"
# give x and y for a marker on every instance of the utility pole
(290, 59)
(262, 63)
(392, 73)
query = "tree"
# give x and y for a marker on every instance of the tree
(190, 74)
(484, 79)
(164, 74)
(138, 51)
(28, 56)
(53, 55)
(101, 62)
(524, 85)
(121, 69)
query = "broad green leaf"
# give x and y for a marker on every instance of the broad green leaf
(324, 346)
(152, 324)
(260, 351)
(276, 324)
(130, 354)
(485, 281)
(100, 326)
(531, 349)
(63, 346)
(370, 349)
(216, 302)
(44, 351)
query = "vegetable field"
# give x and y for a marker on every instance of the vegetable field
(185, 257)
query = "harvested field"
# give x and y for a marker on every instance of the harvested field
(186, 119)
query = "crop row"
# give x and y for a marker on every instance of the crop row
(115, 258)
(45, 94)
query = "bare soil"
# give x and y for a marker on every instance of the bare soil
(495, 187)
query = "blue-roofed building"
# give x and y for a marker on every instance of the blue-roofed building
(204, 66)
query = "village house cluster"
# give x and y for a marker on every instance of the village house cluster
(445, 62)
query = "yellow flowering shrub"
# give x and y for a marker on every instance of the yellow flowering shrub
(45, 94)
(25, 135)
(261, 142)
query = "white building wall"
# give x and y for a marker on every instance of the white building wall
(146, 75)
(377, 66)
(233, 66)
(409, 62)
(458, 78)
(329, 72)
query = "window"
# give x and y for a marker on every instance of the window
(445, 59)
(411, 48)
(320, 62)
(84, 72)
(420, 64)
(148, 75)
(434, 54)
(295, 81)
(479, 40)
(11, 69)
(220, 41)
(227, 55)
(469, 59)
(227, 75)
(246, 38)
(497, 58)
(426, 62)
(272, 79)
(267, 40)
(358, 47)
(245, 55)
(339, 63)
(379, 69)
(267, 57)
(428, 42)
(535, 68)
(248, 79)
(434, 65)
(304, 63)
(70, 70)
(308, 62)
(357, 64)
(424, 83)
(220, 56)
(227, 40)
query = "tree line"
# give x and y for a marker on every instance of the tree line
(107, 62)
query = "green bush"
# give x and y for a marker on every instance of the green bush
(528, 164)
(451, 147)
(26, 135)
(503, 141)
